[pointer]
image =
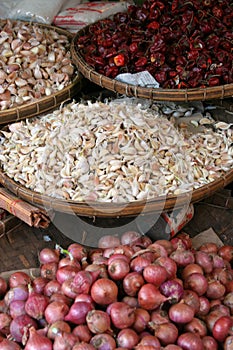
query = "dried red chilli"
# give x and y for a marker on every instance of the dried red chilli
(175, 43)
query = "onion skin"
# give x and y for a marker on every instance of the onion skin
(196, 282)
(149, 297)
(7, 344)
(19, 324)
(181, 313)
(55, 311)
(190, 341)
(36, 304)
(78, 312)
(98, 321)
(209, 343)
(122, 315)
(132, 282)
(221, 328)
(103, 341)
(38, 341)
(104, 291)
(19, 278)
(127, 338)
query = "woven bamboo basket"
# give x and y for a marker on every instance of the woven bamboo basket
(112, 210)
(154, 94)
(46, 103)
(223, 112)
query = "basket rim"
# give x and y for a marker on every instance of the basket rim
(45, 103)
(115, 210)
(156, 94)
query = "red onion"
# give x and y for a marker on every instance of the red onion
(212, 317)
(190, 341)
(191, 268)
(49, 270)
(67, 288)
(192, 299)
(186, 239)
(181, 313)
(209, 247)
(172, 290)
(83, 346)
(66, 272)
(58, 327)
(196, 282)
(19, 325)
(100, 268)
(124, 249)
(215, 290)
(78, 312)
(108, 241)
(149, 340)
(182, 257)
(38, 341)
(204, 260)
(78, 251)
(103, 341)
(130, 237)
(167, 333)
(98, 321)
(36, 304)
(209, 343)
(172, 347)
(159, 316)
(64, 341)
(118, 269)
(55, 311)
(142, 318)
(149, 297)
(121, 314)
(226, 252)
(127, 338)
(17, 308)
(196, 326)
(139, 263)
(131, 301)
(19, 292)
(166, 244)
(3, 286)
(204, 306)
(7, 344)
(83, 280)
(67, 261)
(39, 283)
(218, 261)
(222, 275)
(118, 256)
(52, 287)
(5, 322)
(155, 274)
(83, 333)
(221, 328)
(61, 298)
(19, 278)
(104, 291)
(84, 297)
(169, 265)
(132, 282)
(49, 255)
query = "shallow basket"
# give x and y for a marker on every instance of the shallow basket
(112, 210)
(155, 94)
(45, 103)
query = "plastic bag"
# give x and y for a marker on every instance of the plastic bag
(42, 11)
(75, 18)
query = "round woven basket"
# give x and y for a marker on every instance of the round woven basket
(155, 94)
(46, 103)
(112, 210)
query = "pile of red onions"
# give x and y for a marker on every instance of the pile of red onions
(129, 293)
